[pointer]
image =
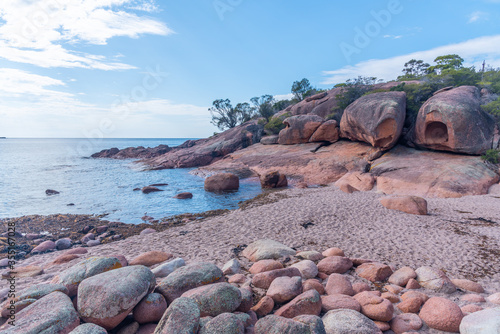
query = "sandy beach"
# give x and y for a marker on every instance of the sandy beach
(460, 236)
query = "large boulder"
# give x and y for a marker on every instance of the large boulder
(299, 129)
(345, 321)
(226, 323)
(273, 324)
(106, 299)
(181, 317)
(441, 314)
(409, 204)
(189, 277)
(92, 266)
(273, 180)
(307, 303)
(434, 279)
(406, 171)
(327, 132)
(215, 299)
(481, 322)
(377, 119)
(454, 121)
(53, 313)
(222, 182)
(266, 249)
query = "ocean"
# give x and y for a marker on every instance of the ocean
(99, 186)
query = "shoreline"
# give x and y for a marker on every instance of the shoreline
(458, 236)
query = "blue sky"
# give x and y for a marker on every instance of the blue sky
(151, 68)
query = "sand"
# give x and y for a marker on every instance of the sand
(460, 236)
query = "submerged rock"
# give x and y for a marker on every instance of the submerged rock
(222, 182)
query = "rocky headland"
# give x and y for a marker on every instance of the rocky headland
(389, 226)
(435, 155)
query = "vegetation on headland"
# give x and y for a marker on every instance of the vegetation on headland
(447, 71)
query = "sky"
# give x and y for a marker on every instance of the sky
(152, 68)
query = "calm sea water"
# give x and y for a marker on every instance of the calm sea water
(98, 186)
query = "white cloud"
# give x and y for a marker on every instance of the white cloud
(478, 16)
(473, 51)
(15, 83)
(393, 36)
(42, 32)
(283, 97)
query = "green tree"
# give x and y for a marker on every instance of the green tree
(414, 69)
(245, 112)
(448, 62)
(301, 89)
(264, 106)
(225, 116)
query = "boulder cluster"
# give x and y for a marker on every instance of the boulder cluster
(268, 288)
(451, 120)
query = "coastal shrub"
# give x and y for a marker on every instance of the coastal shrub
(492, 156)
(275, 125)
(493, 108)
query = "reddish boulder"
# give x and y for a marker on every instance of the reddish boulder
(468, 285)
(312, 284)
(264, 306)
(409, 204)
(273, 180)
(299, 129)
(334, 265)
(308, 302)
(338, 301)
(375, 307)
(377, 119)
(441, 314)
(338, 284)
(374, 271)
(405, 323)
(283, 289)
(454, 121)
(265, 265)
(264, 280)
(150, 258)
(150, 308)
(407, 171)
(401, 276)
(222, 182)
(357, 180)
(327, 132)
